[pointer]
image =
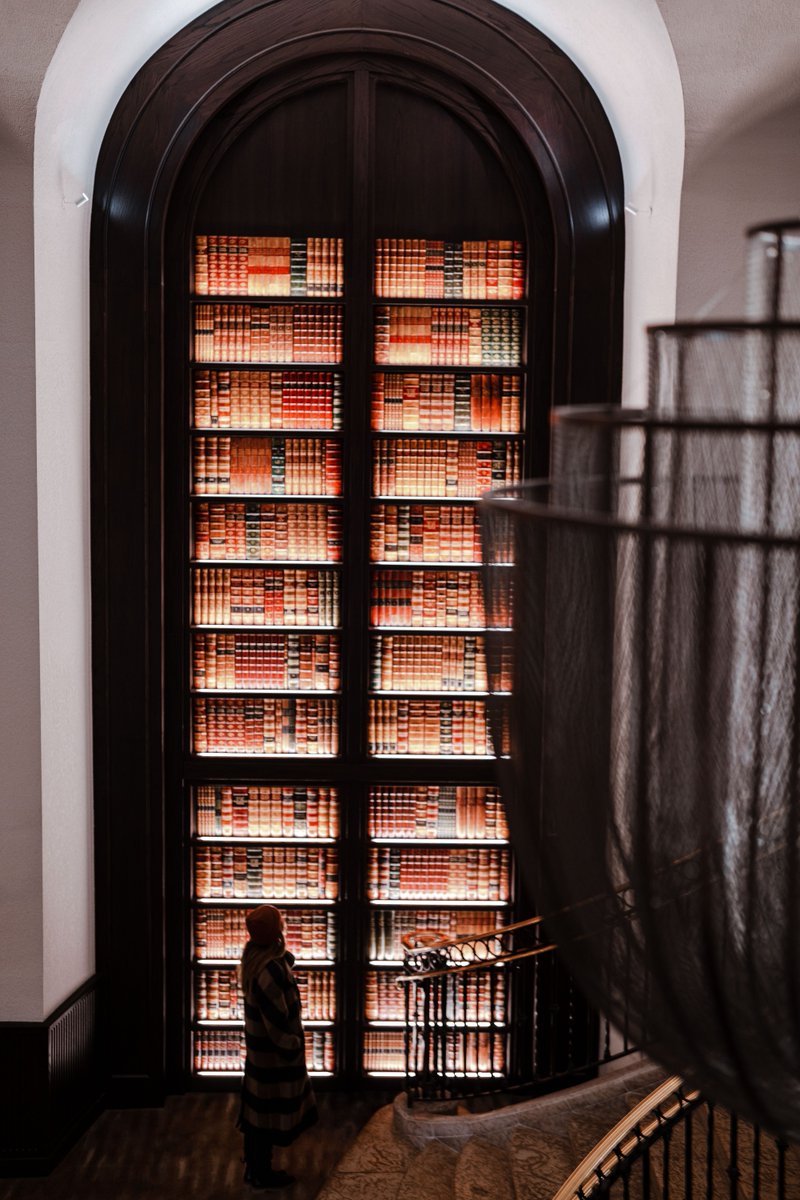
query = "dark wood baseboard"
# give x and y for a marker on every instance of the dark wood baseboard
(52, 1083)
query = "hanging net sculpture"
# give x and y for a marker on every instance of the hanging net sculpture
(653, 784)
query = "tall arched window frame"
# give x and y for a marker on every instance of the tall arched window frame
(536, 113)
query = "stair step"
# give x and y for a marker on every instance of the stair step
(539, 1163)
(483, 1172)
(374, 1166)
(590, 1125)
(431, 1175)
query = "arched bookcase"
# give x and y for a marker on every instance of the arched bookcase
(345, 259)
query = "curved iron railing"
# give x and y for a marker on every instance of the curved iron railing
(676, 1145)
(497, 1011)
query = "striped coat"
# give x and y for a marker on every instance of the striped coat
(277, 1100)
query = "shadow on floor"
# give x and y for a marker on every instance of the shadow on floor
(190, 1149)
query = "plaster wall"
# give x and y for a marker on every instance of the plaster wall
(30, 36)
(740, 67)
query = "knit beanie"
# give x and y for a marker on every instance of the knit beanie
(264, 925)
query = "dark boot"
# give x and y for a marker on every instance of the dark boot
(258, 1170)
(268, 1179)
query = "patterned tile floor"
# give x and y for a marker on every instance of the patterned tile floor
(190, 1149)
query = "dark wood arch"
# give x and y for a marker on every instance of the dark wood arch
(518, 78)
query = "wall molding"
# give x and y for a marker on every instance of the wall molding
(52, 1082)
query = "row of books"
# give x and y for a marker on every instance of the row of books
(273, 466)
(389, 926)
(218, 996)
(426, 268)
(469, 998)
(283, 532)
(458, 1052)
(384, 1050)
(223, 1050)
(310, 596)
(470, 1052)
(384, 998)
(268, 266)
(247, 810)
(398, 873)
(443, 466)
(406, 662)
(310, 933)
(278, 333)
(264, 725)
(467, 402)
(295, 661)
(427, 599)
(270, 872)
(425, 533)
(436, 811)
(425, 336)
(267, 400)
(440, 727)
(259, 596)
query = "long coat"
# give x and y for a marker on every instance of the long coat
(277, 1100)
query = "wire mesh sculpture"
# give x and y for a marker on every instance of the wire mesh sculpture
(653, 781)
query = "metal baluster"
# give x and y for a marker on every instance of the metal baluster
(407, 1039)
(535, 1021)
(493, 1031)
(688, 1179)
(463, 1034)
(439, 1060)
(756, 1162)
(606, 1039)
(553, 1011)
(710, 1154)
(646, 1173)
(665, 1170)
(782, 1148)
(733, 1159)
(570, 1064)
(428, 1047)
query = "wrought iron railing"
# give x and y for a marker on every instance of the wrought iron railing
(677, 1146)
(497, 1011)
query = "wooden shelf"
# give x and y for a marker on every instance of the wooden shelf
(265, 301)
(417, 302)
(245, 431)
(289, 564)
(219, 364)
(463, 435)
(436, 843)
(264, 498)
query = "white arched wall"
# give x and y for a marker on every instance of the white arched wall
(624, 51)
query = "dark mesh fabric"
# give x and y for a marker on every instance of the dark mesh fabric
(654, 776)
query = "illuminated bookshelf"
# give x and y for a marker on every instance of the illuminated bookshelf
(352, 386)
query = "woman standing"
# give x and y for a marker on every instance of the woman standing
(277, 1100)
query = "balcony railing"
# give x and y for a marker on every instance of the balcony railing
(498, 1011)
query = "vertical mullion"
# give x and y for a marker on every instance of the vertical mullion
(355, 582)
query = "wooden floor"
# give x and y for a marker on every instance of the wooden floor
(190, 1149)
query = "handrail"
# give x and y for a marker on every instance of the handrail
(469, 937)
(628, 1137)
(457, 1041)
(486, 935)
(477, 964)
